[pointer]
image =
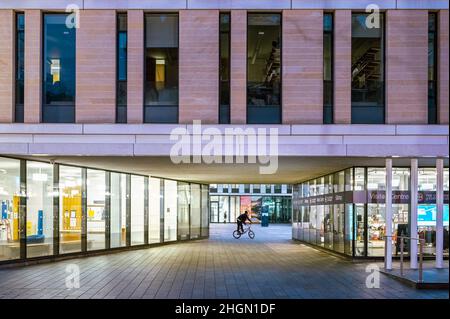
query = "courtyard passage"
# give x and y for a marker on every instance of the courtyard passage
(269, 266)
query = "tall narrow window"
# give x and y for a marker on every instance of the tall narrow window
(20, 60)
(59, 70)
(432, 68)
(121, 114)
(264, 68)
(224, 83)
(367, 70)
(161, 68)
(328, 68)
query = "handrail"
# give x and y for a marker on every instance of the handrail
(402, 244)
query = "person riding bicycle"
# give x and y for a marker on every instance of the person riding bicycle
(241, 221)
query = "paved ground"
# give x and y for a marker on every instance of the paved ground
(270, 266)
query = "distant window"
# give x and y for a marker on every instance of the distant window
(161, 68)
(328, 68)
(121, 114)
(59, 70)
(20, 63)
(264, 68)
(432, 68)
(367, 71)
(224, 74)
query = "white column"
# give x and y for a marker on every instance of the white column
(439, 212)
(413, 186)
(388, 248)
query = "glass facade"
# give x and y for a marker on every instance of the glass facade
(10, 199)
(350, 217)
(328, 68)
(263, 68)
(122, 51)
(118, 203)
(96, 215)
(224, 68)
(161, 68)
(39, 209)
(58, 105)
(63, 209)
(367, 70)
(20, 67)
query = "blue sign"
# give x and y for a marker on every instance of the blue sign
(426, 215)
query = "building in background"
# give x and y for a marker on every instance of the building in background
(228, 201)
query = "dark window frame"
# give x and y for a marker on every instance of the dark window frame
(383, 44)
(120, 119)
(433, 118)
(144, 107)
(42, 66)
(228, 119)
(331, 33)
(280, 120)
(19, 107)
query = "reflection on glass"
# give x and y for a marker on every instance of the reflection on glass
(161, 68)
(338, 228)
(205, 211)
(59, 70)
(96, 223)
(170, 210)
(376, 223)
(264, 68)
(137, 210)
(9, 219)
(359, 230)
(154, 218)
(367, 71)
(39, 209)
(118, 210)
(195, 211)
(70, 211)
(184, 202)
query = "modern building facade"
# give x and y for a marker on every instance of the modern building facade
(96, 94)
(228, 201)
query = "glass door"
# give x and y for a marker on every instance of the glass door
(214, 212)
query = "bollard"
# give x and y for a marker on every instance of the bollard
(401, 256)
(421, 260)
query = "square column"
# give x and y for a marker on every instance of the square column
(388, 248)
(439, 212)
(413, 186)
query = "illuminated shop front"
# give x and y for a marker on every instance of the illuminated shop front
(346, 211)
(50, 210)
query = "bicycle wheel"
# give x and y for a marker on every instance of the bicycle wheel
(251, 234)
(236, 234)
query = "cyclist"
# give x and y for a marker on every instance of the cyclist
(241, 221)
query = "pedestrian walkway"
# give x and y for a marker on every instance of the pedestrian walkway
(269, 266)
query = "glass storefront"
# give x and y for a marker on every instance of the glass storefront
(96, 222)
(9, 196)
(64, 209)
(118, 223)
(350, 217)
(39, 209)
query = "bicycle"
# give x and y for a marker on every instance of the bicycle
(237, 234)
